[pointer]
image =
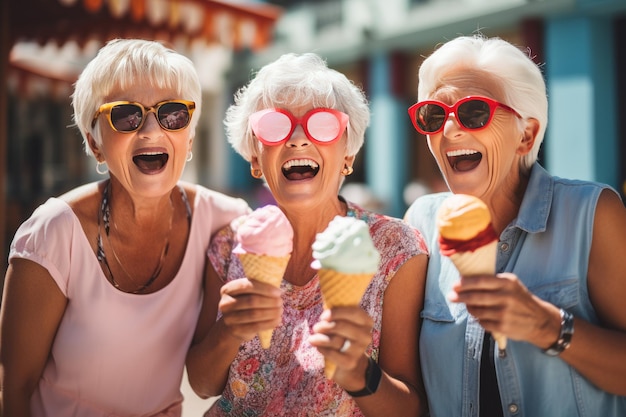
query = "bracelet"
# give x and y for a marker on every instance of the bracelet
(565, 336)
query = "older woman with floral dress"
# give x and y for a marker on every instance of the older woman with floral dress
(300, 125)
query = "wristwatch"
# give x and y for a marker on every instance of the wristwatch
(565, 337)
(373, 375)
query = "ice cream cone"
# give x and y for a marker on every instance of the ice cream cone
(341, 289)
(268, 269)
(467, 237)
(480, 261)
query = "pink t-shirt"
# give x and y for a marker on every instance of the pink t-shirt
(117, 354)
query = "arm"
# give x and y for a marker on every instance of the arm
(32, 308)
(599, 353)
(401, 390)
(247, 307)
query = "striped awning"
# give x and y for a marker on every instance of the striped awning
(44, 35)
(235, 24)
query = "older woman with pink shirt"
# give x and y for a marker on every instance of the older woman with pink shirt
(105, 282)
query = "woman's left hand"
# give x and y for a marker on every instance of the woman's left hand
(342, 336)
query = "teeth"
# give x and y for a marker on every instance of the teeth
(461, 152)
(300, 163)
(150, 153)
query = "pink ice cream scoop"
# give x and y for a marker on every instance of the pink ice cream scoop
(265, 231)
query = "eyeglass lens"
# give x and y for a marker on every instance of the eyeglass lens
(322, 126)
(274, 127)
(472, 114)
(129, 117)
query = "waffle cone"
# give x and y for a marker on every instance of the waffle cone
(480, 261)
(341, 289)
(267, 269)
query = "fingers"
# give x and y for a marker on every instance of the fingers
(248, 286)
(342, 335)
(503, 304)
(486, 297)
(485, 290)
(484, 283)
(249, 306)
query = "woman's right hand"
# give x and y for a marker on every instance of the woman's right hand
(248, 306)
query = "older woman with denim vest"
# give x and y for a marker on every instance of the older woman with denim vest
(558, 292)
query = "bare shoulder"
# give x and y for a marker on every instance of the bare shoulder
(80, 194)
(191, 189)
(84, 200)
(610, 222)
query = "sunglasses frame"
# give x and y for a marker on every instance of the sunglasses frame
(106, 109)
(342, 118)
(493, 105)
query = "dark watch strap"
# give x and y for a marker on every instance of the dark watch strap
(565, 336)
(373, 374)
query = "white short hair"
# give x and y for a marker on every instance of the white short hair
(295, 80)
(122, 63)
(518, 76)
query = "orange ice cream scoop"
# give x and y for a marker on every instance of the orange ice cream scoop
(462, 217)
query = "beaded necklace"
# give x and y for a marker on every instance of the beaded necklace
(104, 218)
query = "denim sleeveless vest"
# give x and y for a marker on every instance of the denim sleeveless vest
(547, 247)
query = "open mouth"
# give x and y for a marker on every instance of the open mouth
(150, 163)
(463, 160)
(300, 169)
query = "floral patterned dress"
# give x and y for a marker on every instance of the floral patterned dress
(288, 378)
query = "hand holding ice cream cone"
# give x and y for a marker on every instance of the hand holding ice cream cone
(347, 260)
(265, 242)
(467, 237)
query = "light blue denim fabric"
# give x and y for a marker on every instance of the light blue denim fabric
(547, 247)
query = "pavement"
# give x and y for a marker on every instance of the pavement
(194, 406)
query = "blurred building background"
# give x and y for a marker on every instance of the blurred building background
(379, 44)
(581, 45)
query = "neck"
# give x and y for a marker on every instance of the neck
(134, 282)
(505, 205)
(132, 212)
(305, 228)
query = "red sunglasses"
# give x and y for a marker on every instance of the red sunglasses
(275, 126)
(473, 113)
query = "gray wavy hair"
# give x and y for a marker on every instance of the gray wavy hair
(294, 80)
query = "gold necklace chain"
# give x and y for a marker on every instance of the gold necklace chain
(105, 215)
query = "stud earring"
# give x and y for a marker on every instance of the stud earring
(256, 173)
(347, 170)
